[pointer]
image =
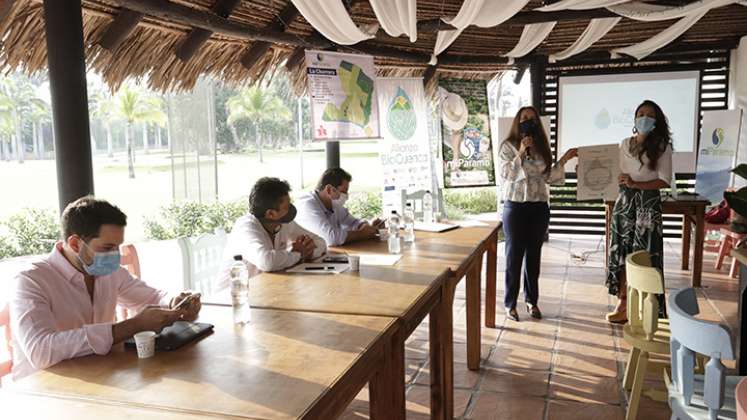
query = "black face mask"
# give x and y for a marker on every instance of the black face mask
(288, 216)
(528, 128)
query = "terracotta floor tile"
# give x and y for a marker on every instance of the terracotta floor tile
(463, 377)
(515, 381)
(589, 389)
(571, 410)
(419, 402)
(496, 406)
(581, 363)
(518, 358)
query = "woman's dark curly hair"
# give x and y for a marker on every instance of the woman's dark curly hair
(658, 139)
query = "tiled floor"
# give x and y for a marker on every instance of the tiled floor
(566, 366)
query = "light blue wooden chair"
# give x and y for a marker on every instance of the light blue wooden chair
(691, 396)
(202, 259)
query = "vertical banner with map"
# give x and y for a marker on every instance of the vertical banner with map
(717, 153)
(404, 150)
(465, 125)
(343, 96)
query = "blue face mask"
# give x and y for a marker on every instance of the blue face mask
(645, 125)
(104, 263)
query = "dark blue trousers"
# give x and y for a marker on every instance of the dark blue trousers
(524, 225)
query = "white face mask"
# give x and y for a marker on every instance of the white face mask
(342, 200)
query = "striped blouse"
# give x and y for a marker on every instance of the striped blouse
(524, 180)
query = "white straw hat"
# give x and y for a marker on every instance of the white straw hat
(454, 110)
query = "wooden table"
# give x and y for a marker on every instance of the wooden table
(692, 208)
(421, 283)
(283, 365)
(741, 336)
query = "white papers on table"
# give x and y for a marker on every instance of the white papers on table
(471, 223)
(319, 268)
(598, 169)
(434, 227)
(380, 259)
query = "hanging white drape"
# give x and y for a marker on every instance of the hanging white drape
(531, 37)
(594, 32)
(330, 19)
(579, 5)
(637, 10)
(661, 39)
(482, 13)
(397, 17)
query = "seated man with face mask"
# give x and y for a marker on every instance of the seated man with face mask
(268, 238)
(322, 211)
(64, 305)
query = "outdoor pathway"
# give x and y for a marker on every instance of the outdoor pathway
(567, 366)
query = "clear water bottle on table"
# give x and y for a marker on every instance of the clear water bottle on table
(394, 244)
(239, 279)
(409, 221)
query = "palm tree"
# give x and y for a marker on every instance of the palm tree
(18, 97)
(104, 109)
(258, 107)
(41, 114)
(137, 106)
(6, 133)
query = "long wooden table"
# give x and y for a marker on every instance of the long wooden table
(421, 283)
(283, 365)
(692, 208)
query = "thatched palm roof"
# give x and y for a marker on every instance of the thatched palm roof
(148, 51)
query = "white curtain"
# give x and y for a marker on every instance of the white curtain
(482, 13)
(397, 17)
(579, 5)
(594, 32)
(531, 37)
(661, 39)
(330, 18)
(637, 10)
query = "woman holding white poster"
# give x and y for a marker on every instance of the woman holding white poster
(646, 168)
(526, 170)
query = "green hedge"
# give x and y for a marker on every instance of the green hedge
(29, 232)
(194, 219)
(365, 205)
(470, 201)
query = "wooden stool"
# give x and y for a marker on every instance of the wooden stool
(730, 239)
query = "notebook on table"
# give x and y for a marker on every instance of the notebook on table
(434, 227)
(177, 335)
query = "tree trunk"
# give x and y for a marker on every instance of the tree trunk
(42, 146)
(159, 138)
(145, 137)
(19, 137)
(130, 154)
(35, 138)
(109, 141)
(3, 150)
(235, 135)
(259, 146)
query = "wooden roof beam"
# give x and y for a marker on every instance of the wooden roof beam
(259, 48)
(122, 26)
(198, 36)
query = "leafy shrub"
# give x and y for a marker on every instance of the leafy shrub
(472, 201)
(29, 232)
(365, 205)
(194, 219)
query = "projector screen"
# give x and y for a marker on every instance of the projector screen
(600, 109)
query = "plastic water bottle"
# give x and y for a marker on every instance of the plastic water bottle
(409, 220)
(239, 279)
(428, 207)
(394, 245)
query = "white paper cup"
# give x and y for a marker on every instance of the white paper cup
(383, 235)
(355, 262)
(145, 342)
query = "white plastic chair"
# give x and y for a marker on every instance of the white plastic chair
(691, 396)
(202, 259)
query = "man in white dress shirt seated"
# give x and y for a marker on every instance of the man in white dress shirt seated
(267, 238)
(322, 211)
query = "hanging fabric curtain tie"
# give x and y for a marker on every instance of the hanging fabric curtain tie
(597, 29)
(330, 18)
(579, 5)
(531, 37)
(397, 17)
(637, 10)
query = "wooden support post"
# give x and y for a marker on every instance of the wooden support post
(119, 29)
(63, 23)
(199, 36)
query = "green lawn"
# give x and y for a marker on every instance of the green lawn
(34, 183)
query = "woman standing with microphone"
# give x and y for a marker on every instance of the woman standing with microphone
(646, 168)
(526, 170)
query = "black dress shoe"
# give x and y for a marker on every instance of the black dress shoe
(534, 310)
(512, 314)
